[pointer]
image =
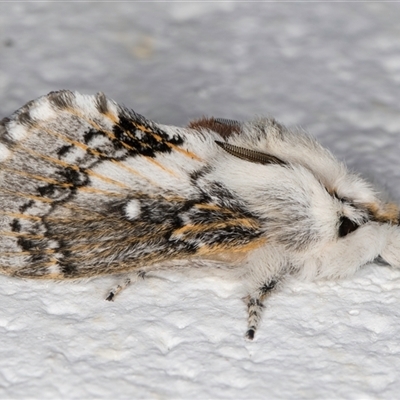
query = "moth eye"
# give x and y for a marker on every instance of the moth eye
(346, 226)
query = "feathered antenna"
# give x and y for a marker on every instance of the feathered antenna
(250, 155)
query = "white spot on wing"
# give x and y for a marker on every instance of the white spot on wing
(112, 108)
(53, 244)
(86, 105)
(53, 269)
(16, 131)
(74, 155)
(4, 152)
(43, 111)
(132, 209)
(98, 141)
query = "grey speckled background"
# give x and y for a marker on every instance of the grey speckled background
(332, 69)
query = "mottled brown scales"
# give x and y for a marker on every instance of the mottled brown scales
(68, 165)
(140, 127)
(187, 153)
(105, 179)
(20, 216)
(137, 173)
(228, 251)
(388, 213)
(102, 106)
(101, 191)
(194, 229)
(159, 165)
(60, 99)
(37, 177)
(26, 195)
(27, 253)
(24, 235)
(225, 130)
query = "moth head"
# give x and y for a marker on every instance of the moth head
(365, 232)
(343, 225)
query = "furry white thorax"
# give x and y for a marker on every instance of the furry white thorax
(301, 217)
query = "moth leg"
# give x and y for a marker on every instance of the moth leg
(255, 308)
(117, 289)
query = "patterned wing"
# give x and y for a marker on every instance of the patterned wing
(88, 187)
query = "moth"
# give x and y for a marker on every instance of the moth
(89, 188)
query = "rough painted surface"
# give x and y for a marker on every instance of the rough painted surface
(334, 70)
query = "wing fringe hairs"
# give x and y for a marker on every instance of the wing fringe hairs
(89, 188)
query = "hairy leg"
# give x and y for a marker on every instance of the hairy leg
(255, 307)
(113, 292)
